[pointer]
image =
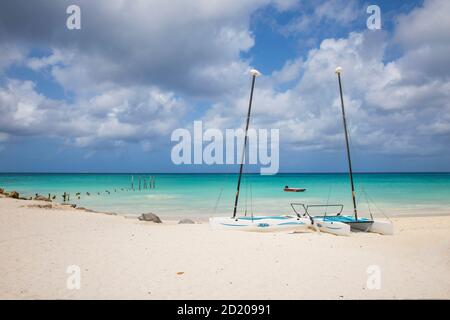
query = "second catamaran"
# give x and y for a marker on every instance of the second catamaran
(342, 224)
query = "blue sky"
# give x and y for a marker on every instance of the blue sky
(106, 98)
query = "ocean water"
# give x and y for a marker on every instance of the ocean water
(203, 195)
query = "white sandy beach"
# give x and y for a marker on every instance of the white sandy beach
(126, 258)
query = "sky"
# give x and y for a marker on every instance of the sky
(107, 97)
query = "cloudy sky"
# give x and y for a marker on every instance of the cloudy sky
(106, 98)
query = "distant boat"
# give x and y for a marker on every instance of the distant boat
(287, 189)
(257, 223)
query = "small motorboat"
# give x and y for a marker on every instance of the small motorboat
(287, 189)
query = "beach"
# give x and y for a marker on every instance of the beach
(124, 258)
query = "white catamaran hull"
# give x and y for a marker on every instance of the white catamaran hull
(261, 223)
(382, 227)
(333, 227)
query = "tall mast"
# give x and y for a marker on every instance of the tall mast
(254, 73)
(338, 72)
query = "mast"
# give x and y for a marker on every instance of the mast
(338, 72)
(254, 73)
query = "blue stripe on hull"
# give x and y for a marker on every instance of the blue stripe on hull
(344, 219)
(233, 225)
(261, 225)
(268, 217)
(289, 223)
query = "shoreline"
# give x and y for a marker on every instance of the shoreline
(410, 213)
(130, 259)
(198, 219)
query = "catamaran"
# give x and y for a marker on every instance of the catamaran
(257, 223)
(342, 224)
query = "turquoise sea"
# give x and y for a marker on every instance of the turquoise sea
(203, 195)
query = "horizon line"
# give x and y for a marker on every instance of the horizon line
(285, 172)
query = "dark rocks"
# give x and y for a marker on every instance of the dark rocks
(14, 194)
(150, 217)
(2, 190)
(186, 221)
(41, 198)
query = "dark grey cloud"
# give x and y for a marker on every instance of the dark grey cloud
(187, 46)
(128, 68)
